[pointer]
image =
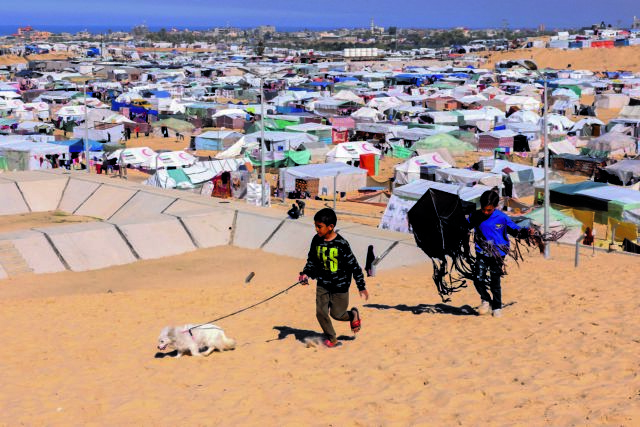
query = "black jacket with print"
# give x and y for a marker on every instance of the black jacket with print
(332, 264)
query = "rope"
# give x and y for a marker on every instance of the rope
(246, 308)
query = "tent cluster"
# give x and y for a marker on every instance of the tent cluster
(330, 128)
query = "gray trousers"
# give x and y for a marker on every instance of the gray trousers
(331, 304)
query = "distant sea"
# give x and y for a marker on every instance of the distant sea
(6, 30)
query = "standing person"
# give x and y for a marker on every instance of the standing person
(491, 227)
(137, 131)
(332, 264)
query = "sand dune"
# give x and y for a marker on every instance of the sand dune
(595, 59)
(79, 347)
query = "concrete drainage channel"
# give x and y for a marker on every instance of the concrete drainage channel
(139, 222)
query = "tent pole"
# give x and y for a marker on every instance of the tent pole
(547, 248)
(86, 128)
(262, 145)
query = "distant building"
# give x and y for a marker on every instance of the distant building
(636, 23)
(541, 28)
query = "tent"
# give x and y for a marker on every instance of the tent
(26, 155)
(350, 152)
(138, 157)
(77, 145)
(323, 132)
(217, 140)
(366, 114)
(611, 144)
(468, 177)
(404, 197)
(347, 178)
(625, 170)
(177, 159)
(444, 140)
(409, 170)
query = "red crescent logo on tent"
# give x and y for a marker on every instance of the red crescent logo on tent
(436, 159)
(365, 148)
(146, 152)
(183, 156)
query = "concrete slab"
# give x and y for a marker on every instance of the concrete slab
(35, 250)
(210, 229)
(292, 239)
(142, 206)
(105, 201)
(360, 242)
(76, 193)
(403, 255)
(11, 201)
(90, 245)
(181, 206)
(158, 237)
(43, 194)
(252, 230)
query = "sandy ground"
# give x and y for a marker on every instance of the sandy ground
(595, 59)
(39, 219)
(80, 347)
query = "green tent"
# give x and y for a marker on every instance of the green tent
(443, 140)
(3, 164)
(400, 152)
(174, 124)
(291, 158)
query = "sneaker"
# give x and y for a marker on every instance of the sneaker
(497, 312)
(485, 308)
(331, 344)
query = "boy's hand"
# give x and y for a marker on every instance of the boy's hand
(364, 294)
(303, 279)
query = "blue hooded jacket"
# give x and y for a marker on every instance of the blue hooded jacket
(494, 229)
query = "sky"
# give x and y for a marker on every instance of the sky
(319, 14)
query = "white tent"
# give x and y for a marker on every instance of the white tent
(368, 114)
(138, 156)
(175, 159)
(26, 155)
(466, 176)
(347, 178)
(349, 152)
(230, 112)
(409, 170)
(347, 95)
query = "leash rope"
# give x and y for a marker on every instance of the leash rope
(246, 308)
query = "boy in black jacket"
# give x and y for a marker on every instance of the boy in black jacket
(332, 263)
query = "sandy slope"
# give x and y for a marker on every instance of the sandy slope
(596, 59)
(79, 347)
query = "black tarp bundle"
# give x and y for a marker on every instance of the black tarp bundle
(441, 230)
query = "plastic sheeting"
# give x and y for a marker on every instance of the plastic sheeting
(348, 178)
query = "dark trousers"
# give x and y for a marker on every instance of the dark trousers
(331, 304)
(483, 266)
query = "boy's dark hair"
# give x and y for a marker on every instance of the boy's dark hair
(326, 216)
(489, 197)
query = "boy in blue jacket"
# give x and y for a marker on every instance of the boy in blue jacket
(491, 228)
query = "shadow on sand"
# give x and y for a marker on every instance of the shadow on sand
(303, 335)
(465, 310)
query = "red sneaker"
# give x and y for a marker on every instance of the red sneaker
(330, 344)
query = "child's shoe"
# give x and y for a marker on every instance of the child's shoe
(485, 308)
(497, 312)
(331, 344)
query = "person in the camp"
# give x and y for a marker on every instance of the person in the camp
(294, 212)
(491, 227)
(332, 264)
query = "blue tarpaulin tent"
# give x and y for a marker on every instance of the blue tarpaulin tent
(77, 145)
